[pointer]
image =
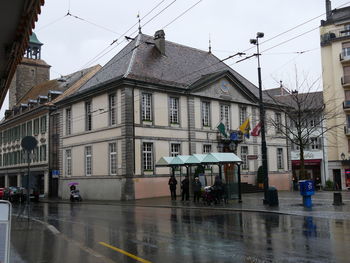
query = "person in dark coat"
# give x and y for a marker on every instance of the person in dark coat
(185, 187)
(197, 187)
(172, 185)
(218, 189)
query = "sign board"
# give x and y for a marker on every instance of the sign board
(252, 157)
(55, 173)
(5, 230)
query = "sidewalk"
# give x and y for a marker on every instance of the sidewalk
(289, 203)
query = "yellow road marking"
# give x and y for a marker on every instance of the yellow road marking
(124, 252)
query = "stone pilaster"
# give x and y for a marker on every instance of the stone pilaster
(127, 143)
(191, 125)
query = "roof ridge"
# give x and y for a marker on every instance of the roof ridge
(131, 62)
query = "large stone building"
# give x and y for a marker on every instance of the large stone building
(33, 115)
(335, 52)
(157, 98)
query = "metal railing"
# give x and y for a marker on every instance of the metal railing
(334, 35)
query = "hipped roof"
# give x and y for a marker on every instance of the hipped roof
(180, 67)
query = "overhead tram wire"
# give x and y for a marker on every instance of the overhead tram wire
(295, 27)
(172, 21)
(103, 52)
(92, 23)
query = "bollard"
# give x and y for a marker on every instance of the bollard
(307, 201)
(337, 199)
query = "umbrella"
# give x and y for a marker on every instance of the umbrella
(73, 183)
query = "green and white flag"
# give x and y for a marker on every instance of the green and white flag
(221, 127)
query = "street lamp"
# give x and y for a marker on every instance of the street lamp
(255, 41)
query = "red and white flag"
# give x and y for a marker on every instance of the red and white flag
(256, 130)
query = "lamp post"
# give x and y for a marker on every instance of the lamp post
(262, 120)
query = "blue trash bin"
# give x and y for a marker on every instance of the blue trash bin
(307, 189)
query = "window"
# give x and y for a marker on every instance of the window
(314, 143)
(205, 114)
(314, 122)
(24, 130)
(174, 110)
(112, 109)
(88, 160)
(29, 128)
(174, 149)
(68, 121)
(207, 148)
(242, 115)
(346, 50)
(147, 156)
(36, 126)
(0, 160)
(280, 158)
(278, 122)
(88, 116)
(113, 158)
(346, 30)
(146, 107)
(43, 124)
(225, 115)
(68, 162)
(36, 154)
(244, 157)
(43, 153)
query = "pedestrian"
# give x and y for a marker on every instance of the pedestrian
(172, 185)
(197, 187)
(217, 189)
(185, 187)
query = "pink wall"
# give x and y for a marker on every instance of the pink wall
(152, 187)
(158, 186)
(281, 181)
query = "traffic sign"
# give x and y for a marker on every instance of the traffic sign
(5, 230)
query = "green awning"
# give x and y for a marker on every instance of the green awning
(180, 160)
(216, 158)
(164, 161)
(194, 159)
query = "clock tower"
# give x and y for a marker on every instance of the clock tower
(30, 72)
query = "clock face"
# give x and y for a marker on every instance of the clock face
(224, 85)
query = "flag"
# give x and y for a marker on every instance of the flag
(256, 130)
(245, 128)
(221, 127)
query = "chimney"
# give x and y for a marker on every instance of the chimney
(328, 9)
(159, 41)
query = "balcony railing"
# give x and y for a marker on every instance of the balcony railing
(345, 80)
(334, 35)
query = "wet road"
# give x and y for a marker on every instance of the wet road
(102, 233)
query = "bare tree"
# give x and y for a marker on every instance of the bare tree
(306, 116)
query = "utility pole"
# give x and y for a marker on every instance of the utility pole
(262, 120)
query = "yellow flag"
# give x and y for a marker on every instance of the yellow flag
(245, 127)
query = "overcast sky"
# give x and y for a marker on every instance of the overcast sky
(70, 43)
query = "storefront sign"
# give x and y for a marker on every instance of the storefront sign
(252, 157)
(5, 230)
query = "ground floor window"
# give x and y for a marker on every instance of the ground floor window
(147, 156)
(68, 162)
(113, 158)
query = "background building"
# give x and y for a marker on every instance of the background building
(31, 116)
(335, 52)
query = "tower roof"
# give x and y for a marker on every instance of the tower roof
(34, 40)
